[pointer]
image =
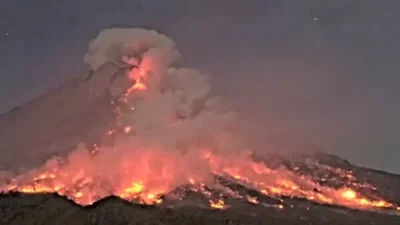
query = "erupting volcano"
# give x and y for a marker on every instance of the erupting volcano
(173, 139)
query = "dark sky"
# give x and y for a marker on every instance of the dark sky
(315, 71)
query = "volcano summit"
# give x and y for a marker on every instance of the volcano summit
(141, 138)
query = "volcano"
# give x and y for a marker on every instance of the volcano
(139, 141)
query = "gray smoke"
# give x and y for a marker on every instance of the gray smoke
(171, 128)
(120, 45)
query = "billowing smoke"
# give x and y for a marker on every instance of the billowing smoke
(168, 127)
(176, 110)
(155, 51)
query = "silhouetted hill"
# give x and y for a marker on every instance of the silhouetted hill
(17, 209)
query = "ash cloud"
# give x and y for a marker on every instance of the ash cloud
(119, 45)
(177, 105)
(165, 134)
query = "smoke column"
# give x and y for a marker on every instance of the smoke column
(171, 122)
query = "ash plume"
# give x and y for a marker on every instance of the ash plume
(120, 45)
(176, 105)
(172, 124)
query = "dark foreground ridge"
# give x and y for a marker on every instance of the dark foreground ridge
(51, 209)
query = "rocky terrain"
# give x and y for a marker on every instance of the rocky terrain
(17, 209)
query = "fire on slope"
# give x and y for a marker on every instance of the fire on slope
(76, 185)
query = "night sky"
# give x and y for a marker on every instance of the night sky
(311, 71)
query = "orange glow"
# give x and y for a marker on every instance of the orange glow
(252, 200)
(138, 76)
(139, 86)
(219, 204)
(148, 190)
(78, 195)
(127, 129)
(349, 194)
(191, 181)
(136, 188)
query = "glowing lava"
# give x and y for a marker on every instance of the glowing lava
(349, 194)
(84, 190)
(218, 204)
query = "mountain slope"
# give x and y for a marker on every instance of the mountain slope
(48, 124)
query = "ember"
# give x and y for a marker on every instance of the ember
(219, 204)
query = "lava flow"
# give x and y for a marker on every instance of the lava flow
(83, 189)
(174, 136)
